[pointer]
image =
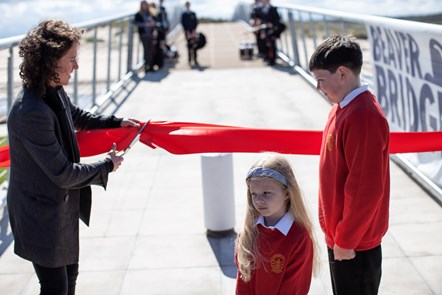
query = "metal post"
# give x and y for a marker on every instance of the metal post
(10, 78)
(120, 51)
(343, 27)
(294, 38)
(326, 31)
(303, 39)
(312, 24)
(94, 68)
(109, 53)
(130, 46)
(218, 193)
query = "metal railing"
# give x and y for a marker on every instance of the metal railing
(306, 28)
(108, 60)
(110, 53)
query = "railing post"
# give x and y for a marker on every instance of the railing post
(294, 38)
(94, 68)
(304, 44)
(326, 31)
(10, 78)
(313, 27)
(109, 53)
(130, 45)
(120, 52)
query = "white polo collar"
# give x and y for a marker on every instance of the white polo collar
(283, 225)
(352, 95)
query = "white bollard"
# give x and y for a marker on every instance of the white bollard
(218, 194)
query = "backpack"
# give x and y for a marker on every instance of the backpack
(279, 29)
(201, 42)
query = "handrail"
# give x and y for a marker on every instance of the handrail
(357, 18)
(10, 41)
(107, 41)
(85, 90)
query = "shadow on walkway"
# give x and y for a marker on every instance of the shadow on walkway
(223, 248)
(5, 237)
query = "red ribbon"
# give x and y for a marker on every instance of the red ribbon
(190, 138)
(4, 156)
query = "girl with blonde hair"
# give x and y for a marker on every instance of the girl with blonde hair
(276, 251)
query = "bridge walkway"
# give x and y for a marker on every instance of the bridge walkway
(147, 232)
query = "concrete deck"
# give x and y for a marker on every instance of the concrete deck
(147, 233)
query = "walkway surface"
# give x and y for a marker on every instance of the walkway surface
(147, 232)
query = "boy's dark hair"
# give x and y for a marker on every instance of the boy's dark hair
(336, 51)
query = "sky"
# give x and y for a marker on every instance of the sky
(17, 17)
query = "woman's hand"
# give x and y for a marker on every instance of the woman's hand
(116, 160)
(129, 122)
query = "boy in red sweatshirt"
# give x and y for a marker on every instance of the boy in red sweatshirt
(354, 175)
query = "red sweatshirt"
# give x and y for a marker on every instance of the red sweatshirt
(287, 267)
(354, 180)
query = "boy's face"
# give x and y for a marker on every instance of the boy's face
(330, 84)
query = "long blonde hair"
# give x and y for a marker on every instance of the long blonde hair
(248, 255)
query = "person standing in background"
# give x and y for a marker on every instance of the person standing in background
(163, 18)
(189, 21)
(157, 37)
(354, 169)
(49, 189)
(162, 31)
(270, 17)
(256, 21)
(145, 22)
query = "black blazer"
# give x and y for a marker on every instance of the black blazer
(140, 23)
(272, 16)
(189, 21)
(47, 183)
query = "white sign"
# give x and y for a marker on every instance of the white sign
(407, 65)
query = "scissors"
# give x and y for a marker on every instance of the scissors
(135, 139)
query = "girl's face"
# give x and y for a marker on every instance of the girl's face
(66, 65)
(269, 198)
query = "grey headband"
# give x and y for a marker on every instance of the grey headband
(267, 172)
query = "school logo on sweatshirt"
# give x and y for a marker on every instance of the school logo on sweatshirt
(330, 142)
(277, 263)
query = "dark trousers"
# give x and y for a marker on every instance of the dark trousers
(260, 43)
(57, 281)
(358, 276)
(191, 49)
(191, 52)
(148, 49)
(269, 43)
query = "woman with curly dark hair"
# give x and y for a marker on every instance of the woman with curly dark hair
(49, 189)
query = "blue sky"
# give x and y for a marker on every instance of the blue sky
(17, 17)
